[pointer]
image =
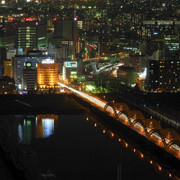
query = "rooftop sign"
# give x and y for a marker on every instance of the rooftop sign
(70, 64)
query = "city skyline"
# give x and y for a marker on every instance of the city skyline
(66, 64)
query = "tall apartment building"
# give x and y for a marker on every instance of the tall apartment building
(163, 75)
(30, 34)
(2, 58)
(169, 74)
(152, 77)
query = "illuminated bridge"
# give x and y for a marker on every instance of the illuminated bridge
(151, 129)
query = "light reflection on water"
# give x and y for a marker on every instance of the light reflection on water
(48, 127)
(40, 126)
(125, 144)
(43, 126)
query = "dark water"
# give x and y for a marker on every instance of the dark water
(72, 147)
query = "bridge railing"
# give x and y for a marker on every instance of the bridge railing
(171, 122)
(124, 117)
(163, 118)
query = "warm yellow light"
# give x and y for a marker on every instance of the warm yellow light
(159, 168)
(47, 75)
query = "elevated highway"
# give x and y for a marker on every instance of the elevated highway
(121, 115)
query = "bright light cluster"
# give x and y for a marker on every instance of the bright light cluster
(101, 104)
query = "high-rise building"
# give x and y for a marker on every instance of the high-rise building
(30, 34)
(2, 58)
(29, 78)
(152, 28)
(69, 71)
(152, 77)
(163, 75)
(169, 74)
(66, 31)
(8, 68)
(27, 37)
(47, 75)
(19, 63)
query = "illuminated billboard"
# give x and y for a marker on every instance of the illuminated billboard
(70, 64)
(47, 61)
(28, 64)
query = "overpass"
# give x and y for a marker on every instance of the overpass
(134, 121)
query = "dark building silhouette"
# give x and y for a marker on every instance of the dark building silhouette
(2, 58)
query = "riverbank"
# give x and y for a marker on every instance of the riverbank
(45, 103)
(142, 141)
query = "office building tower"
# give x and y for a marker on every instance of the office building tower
(20, 62)
(169, 74)
(29, 78)
(30, 34)
(2, 58)
(47, 75)
(8, 71)
(152, 77)
(66, 31)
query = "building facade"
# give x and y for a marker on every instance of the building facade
(29, 79)
(8, 71)
(47, 76)
(7, 86)
(19, 63)
(30, 34)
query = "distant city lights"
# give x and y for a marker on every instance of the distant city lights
(48, 61)
(3, 2)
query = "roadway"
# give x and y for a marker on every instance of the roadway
(99, 103)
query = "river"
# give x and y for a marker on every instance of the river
(79, 147)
